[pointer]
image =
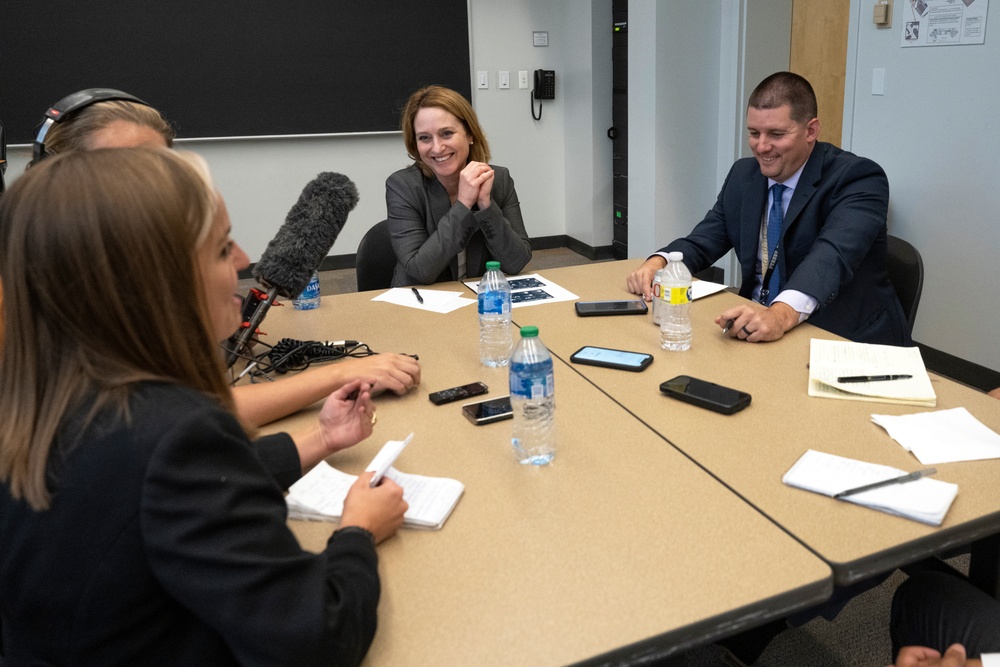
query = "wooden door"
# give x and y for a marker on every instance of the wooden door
(819, 53)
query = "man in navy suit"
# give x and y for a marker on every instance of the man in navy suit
(826, 259)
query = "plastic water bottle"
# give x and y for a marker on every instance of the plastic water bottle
(657, 296)
(675, 315)
(495, 340)
(533, 396)
(309, 299)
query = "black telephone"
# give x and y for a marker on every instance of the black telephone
(545, 84)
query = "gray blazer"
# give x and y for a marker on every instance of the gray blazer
(428, 231)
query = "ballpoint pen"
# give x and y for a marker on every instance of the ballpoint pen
(886, 482)
(872, 378)
(729, 325)
(417, 294)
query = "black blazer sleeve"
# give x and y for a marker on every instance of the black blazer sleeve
(213, 523)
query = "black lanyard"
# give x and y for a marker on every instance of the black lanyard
(766, 278)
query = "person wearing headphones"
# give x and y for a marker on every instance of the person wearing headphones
(450, 211)
(139, 525)
(107, 118)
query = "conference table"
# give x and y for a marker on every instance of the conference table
(623, 549)
(749, 451)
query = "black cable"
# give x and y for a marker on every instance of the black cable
(296, 355)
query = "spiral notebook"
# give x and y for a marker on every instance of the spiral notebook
(925, 500)
(319, 496)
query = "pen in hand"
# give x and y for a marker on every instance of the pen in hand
(886, 482)
(417, 294)
(729, 325)
(872, 378)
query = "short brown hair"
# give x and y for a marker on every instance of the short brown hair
(90, 244)
(783, 88)
(455, 104)
(75, 131)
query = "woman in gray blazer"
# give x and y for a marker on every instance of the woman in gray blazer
(451, 211)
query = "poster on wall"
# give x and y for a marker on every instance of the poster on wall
(944, 22)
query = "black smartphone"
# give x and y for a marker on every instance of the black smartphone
(458, 393)
(706, 394)
(490, 410)
(620, 307)
(609, 358)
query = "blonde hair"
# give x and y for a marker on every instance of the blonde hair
(456, 105)
(92, 243)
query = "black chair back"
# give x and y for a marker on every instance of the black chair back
(375, 261)
(906, 272)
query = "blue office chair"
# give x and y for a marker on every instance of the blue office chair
(375, 260)
(906, 273)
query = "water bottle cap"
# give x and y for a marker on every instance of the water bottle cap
(529, 332)
(492, 266)
(676, 256)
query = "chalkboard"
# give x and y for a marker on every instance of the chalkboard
(233, 68)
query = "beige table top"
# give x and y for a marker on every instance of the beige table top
(621, 548)
(751, 450)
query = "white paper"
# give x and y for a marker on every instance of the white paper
(539, 290)
(926, 500)
(700, 288)
(319, 496)
(942, 436)
(437, 301)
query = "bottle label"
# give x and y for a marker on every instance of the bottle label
(533, 387)
(494, 302)
(677, 296)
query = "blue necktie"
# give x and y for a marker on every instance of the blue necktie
(774, 220)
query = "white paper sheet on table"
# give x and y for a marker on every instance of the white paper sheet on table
(942, 436)
(437, 301)
(700, 288)
(541, 287)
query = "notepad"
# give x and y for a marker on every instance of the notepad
(926, 500)
(830, 359)
(319, 496)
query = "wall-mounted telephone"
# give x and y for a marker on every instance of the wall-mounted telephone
(545, 89)
(545, 84)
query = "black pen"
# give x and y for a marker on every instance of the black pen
(729, 325)
(872, 378)
(886, 482)
(415, 292)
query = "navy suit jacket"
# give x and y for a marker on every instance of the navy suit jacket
(833, 241)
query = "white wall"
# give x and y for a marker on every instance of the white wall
(934, 134)
(673, 115)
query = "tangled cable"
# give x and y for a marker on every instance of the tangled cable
(289, 354)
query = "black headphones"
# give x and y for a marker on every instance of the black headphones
(69, 104)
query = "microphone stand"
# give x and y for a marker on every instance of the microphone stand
(239, 340)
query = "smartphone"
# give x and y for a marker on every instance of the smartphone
(624, 307)
(609, 358)
(490, 410)
(458, 393)
(709, 395)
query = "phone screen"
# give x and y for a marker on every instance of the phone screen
(485, 412)
(603, 356)
(622, 307)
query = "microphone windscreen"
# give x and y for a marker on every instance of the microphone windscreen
(307, 234)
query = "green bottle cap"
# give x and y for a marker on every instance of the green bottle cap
(492, 266)
(529, 332)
